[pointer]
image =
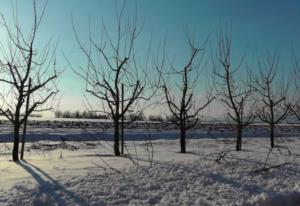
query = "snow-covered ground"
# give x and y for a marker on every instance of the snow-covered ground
(84, 171)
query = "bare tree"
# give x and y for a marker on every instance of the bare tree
(272, 94)
(181, 98)
(233, 94)
(27, 72)
(104, 80)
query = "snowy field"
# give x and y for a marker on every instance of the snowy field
(73, 164)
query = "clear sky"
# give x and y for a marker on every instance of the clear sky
(256, 25)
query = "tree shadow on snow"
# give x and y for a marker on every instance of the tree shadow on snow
(94, 155)
(50, 191)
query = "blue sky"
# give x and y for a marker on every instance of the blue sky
(257, 25)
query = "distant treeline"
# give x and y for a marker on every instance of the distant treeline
(95, 115)
(31, 115)
(80, 115)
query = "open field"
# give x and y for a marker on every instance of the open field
(73, 164)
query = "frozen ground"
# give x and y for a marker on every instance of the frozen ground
(152, 172)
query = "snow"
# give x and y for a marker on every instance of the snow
(91, 175)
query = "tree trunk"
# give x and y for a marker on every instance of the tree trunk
(23, 140)
(272, 135)
(25, 122)
(116, 138)
(122, 135)
(15, 152)
(182, 140)
(239, 138)
(122, 122)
